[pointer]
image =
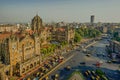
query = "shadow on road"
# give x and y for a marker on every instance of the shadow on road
(111, 74)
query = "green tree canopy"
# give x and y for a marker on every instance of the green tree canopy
(88, 32)
(77, 37)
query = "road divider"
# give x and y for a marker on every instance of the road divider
(91, 44)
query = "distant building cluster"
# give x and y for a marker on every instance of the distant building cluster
(114, 49)
(8, 28)
(20, 48)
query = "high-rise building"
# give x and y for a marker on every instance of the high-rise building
(92, 19)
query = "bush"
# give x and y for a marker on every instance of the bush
(99, 72)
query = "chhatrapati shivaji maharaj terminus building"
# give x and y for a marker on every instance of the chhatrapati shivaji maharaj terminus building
(20, 51)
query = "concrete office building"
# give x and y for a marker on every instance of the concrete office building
(92, 18)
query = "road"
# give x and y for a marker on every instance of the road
(100, 54)
(79, 56)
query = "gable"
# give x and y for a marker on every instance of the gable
(27, 39)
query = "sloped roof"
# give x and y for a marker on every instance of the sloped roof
(61, 29)
(16, 34)
(4, 35)
(29, 31)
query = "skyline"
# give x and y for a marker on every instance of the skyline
(12, 11)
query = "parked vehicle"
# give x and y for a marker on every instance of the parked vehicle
(68, 68)
(88, 55)
(83, 63)
(56, 75)
(109, 61)
(92, 78)
(114, 61)
(46, 78)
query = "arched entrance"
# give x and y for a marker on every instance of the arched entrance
(17, 69)
(38, 62)
(27, 68)
(31, 65)
(35, 63)
(23, 70)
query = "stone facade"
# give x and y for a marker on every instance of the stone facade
(36, 24)
(8, 28)
(115, 46)
(63, 33)
(20, 51)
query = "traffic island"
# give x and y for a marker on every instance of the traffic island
(76, 75)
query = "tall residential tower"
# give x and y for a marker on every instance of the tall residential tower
(92, 18)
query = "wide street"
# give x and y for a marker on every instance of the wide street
(98, 54)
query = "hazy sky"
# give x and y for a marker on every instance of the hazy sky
(60, 10)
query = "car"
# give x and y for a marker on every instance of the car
(114, 61)
(89, 72)
(92, 78)
(47, 66)
(101, 62)
(41, 69)
(56, 76)
(88, 55)
(98, 77)
(41, 74)
(46, 78)
(84, 50)
(28, 79)
(83, 63)
(78, 50)
(93, 73)
(68, 68)
(86, 73)
(109, 61)
(92, 46)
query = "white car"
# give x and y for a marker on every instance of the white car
(101, 62)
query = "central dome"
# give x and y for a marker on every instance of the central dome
(36, 23)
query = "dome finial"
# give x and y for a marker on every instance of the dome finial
(37, 13)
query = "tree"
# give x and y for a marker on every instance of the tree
(80, 32)
(44, 50)
(63, 43)
(115, 34)
(77, 37)
(118, 39)
(88, 32)
(99, 72)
